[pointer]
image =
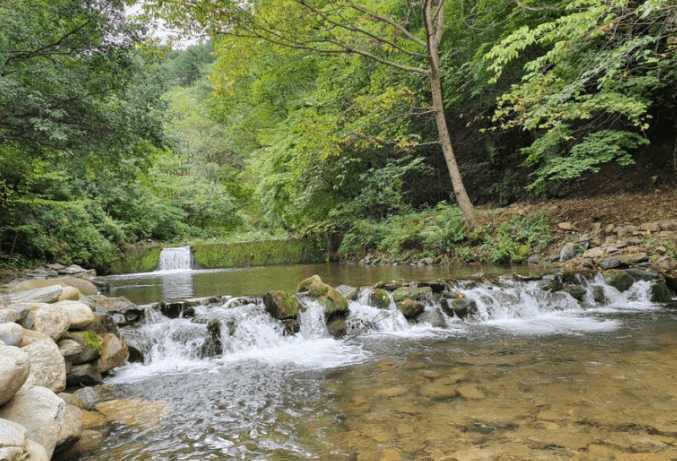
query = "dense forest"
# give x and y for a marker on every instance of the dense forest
(299, 117)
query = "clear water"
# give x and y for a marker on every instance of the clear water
(535, 376)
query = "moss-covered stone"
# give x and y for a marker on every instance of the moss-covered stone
(281, 305)
(598, 294)
(410, 308)
(618, 279)
(576, 291)
(91, 340)
(307, 283)
(660, 293)
(380, 298)
(337, 328)
(411, 293)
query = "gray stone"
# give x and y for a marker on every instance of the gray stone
(11, 334)
(461, 308)
(127, 310)
(48, 294)
(568, 252)
(69, 349)
(84, 375)
(48, 367)
(40, 411)
(639, 274)
(610, 263)
(433, 317)
(15, 368)
(349, 292)
(51, 320)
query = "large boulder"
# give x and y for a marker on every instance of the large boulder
(281, 305)
(334, 302)
(69, 294)
(461, 307)
(44, 294)
(410, 308)
(15, 368)
(84, 286)
(51, 320)
(80, 315)
(48, 367)
(618, 279)
(40, 411)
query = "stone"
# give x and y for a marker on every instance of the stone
(70, 430)
(86, 374)
(80, 315)
(93, 420)
(143, 414)
(660, 293)
(565, 226)
(306, 284)
(103, 323)
(12, 435)
(212, 345)
(609, 229)
(618, 279)
(23, 312)
(69, 294)
(334, 302)
(51, 320)
(417, 294)
(666, 263)
(91, 347)
(70, 399)
(650, 227)
(176, 309)
(598, 294)
(568, 252)
(15, 368)
(350, 293)
(114, 353)
(36, 452)
(576, 291)
(89, 441)
(594, 253)
(337, 328)
(48, 367)
(432, 317)
(69, 349)
(8, 316)
(30, 336)
(379, 298)
(90, 396)
(410, 308)
(40, 411)
(127, 312)
(633, 258)
(462, 308)
(639, 274)
(281, 304)
(85, 287)
(610, 263)
(11, 334)
(48, 294)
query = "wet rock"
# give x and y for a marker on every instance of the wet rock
(176, 309)
(103, 323)
(417, 294)
(307, 283)
(618, 279)
(337, 328)
(660, 293)
(598, 294)
(410, 308)
(91, 396)
(335, 304)
(11, 334)
(47, 294)
(212, 345)
(576, 291)
(462, 308)
(610, 263)
(568, 252)
(379, 298)
(89, 441)
(433, 317)
(71, 427)
(281, 305)
(639, 274)
(436, 286)
(40, 411)
(143, 414)
(123, 311)
(14, 371)
(350, 293)
(83, 375)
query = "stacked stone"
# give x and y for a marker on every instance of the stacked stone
(50, 337)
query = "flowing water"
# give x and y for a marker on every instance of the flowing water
(534, 375)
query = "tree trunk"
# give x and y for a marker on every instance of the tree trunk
(445, 140)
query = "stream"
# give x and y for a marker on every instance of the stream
(534, 375)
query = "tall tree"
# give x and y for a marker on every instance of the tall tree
(403, 34)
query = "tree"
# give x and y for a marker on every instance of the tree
(402, 34)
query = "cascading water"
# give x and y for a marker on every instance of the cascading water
(175, 259)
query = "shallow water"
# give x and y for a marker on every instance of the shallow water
(534, 377)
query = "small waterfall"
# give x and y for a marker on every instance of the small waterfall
(179, 258)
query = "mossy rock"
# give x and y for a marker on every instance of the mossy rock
(598, 294)
(337, 328)
(281, 305)
(335, 303)
(555, 285)
(576, 291)
(618, 279)
(417, 294)
(380, 298)
(307, 283)
(410, 308)
(660, 293)
(460, 307)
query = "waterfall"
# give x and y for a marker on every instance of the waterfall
(179, 258)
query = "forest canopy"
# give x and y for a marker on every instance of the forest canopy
(306, 116)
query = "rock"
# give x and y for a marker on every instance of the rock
(11, 334)
(86, 374)
(85, 287)
(13, 438)
(114, 353)
(281, 305)
(176, 309)
(80, 315)
(89, 441)
(417, 294)
(70, 399)
(618, 279)
(48, 294)
(69, 294)
(103, 323)
(48, 367)
(639, 274)
(8, 316)
(212, 345)
(609, 229)
(598, 294)
(36, 452)
(350, 293)
(610, 263)
(568, 252)
(666, 263)
(410, 307)
(306, 284)
(379, 298)
(337, 328)
(594, 253)
(143, 414)
(91, 347)
(576, 291)
(660, 293)
(565, 226)
(30, 336)
(14, 371)
(461, 308)
(40, 411)
(335, 304)
(70, 430)
(437, 286)
(128, 311)
(69, 349)
(91, 396)
(633, 258)
(51, 320)
(433, 317)
(650, 227)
